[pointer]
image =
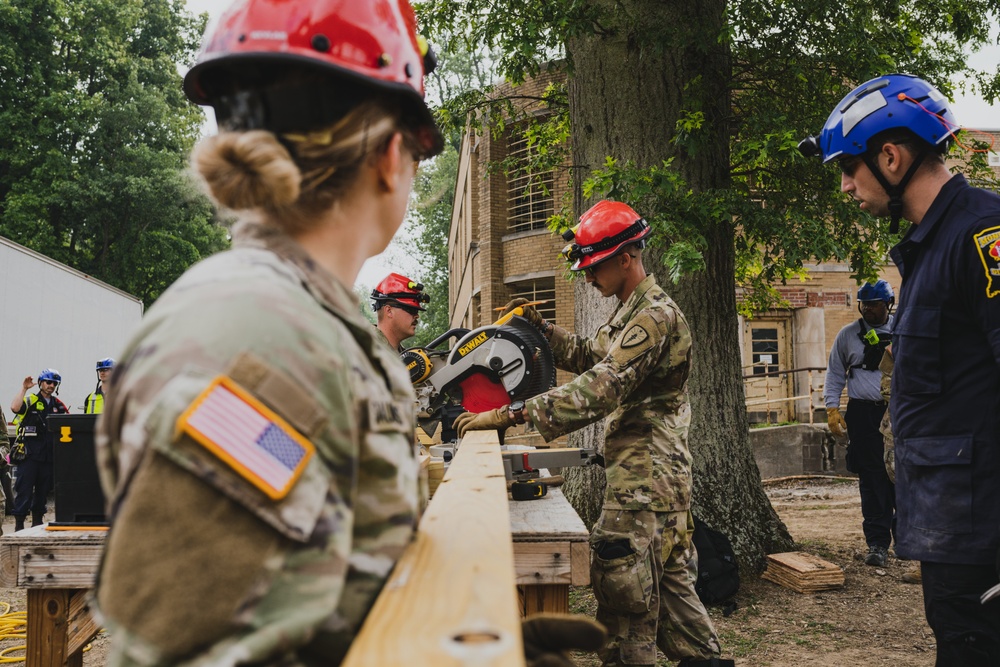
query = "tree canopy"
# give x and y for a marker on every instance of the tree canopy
(788, 63)
(96, 136)
(691, 113)
(464, 70)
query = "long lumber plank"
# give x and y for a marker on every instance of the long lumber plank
(451, 599)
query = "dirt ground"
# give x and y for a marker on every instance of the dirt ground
(874, 620)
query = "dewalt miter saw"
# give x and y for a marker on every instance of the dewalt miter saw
(486, 368)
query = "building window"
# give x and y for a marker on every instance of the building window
(529, 195)
(764, 348)
(541, 289)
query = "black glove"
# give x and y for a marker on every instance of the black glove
(547, 637)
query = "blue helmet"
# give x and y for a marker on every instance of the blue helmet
(50, 374)
(884, 103)
(106, 364)
(880, 291)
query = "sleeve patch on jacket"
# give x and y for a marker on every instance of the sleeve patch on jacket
(988, 245)
(634, 336)
(244, 433)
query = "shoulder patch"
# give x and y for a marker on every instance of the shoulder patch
(988, 246)
(636, 335)
(244, 433)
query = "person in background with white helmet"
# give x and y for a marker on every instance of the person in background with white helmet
(396, 302)
(633, 372)
(256, 451)
(854, 361)
(889, 137)
(94, 403)
(33, 447)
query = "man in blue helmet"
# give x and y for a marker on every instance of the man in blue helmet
(854, 361)
(889, 137)
(32, 451)
(94, 403)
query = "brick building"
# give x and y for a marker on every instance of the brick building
(500, 248)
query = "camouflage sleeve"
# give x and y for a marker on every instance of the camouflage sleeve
(572, 352)
(886, 366)
(601, 389)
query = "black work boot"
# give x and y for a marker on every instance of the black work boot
(877, 556)
(37, 518)
(706, 662)
(18, 523)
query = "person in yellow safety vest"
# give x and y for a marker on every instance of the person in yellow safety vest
(94, 403)
(32, 451)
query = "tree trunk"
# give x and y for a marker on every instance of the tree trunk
(652, 61)
(585, 485)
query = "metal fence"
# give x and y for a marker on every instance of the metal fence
(796, 393)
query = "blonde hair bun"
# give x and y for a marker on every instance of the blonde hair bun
(247, 170)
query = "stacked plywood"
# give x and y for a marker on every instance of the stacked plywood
(802, 572)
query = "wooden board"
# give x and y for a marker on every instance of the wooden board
(803, 572)
(547, 519)
(40, 558)
(451, 599)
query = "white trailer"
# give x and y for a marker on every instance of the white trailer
(54, 316)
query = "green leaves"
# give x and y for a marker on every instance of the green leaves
(790, 61)
(96, 136)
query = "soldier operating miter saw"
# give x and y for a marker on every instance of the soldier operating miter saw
(487, 368)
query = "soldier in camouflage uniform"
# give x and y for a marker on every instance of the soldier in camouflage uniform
(396, 302)
(633, 372)
(256, 448)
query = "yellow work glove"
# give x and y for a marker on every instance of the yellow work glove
(528, 312)
(547, 637)
(836, 421)
(482, 421)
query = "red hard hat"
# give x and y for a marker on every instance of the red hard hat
(368, 45)
(398, 290)
(602, 232)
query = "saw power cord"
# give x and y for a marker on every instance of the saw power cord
(13, 625)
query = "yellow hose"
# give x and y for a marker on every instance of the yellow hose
(13, 625)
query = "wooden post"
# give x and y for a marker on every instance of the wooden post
(48, 611)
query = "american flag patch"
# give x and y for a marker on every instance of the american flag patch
(258, 444)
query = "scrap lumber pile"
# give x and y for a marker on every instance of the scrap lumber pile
(803, 572)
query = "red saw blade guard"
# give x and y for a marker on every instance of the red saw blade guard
(480, 393)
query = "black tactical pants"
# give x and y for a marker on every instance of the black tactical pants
(967, 632)
(32, 486)
(865, 457)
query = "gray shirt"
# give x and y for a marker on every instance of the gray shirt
(848, 350)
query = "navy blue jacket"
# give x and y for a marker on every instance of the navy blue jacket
(945, 401)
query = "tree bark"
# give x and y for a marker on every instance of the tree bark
(584, 487)
(631, 82)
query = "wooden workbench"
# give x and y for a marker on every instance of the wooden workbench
(551, 552)
(57, 568)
